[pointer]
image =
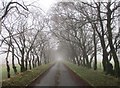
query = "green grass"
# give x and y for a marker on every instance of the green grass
(26, 77)
(4, 71)
(95, 78)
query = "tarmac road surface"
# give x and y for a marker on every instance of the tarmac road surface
(60, 75)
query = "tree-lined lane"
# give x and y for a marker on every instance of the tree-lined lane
(59, 75)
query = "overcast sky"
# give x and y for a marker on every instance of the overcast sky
(44, 4)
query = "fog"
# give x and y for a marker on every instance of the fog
(43, 31)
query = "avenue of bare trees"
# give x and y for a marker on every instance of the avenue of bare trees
(86, 29)
(23, 36)
(83, 29)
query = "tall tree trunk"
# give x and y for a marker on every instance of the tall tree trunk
(7, 63)
(95, 50)
(105, 54)
(22, 61)
(30, 64)
(38, 59)
(102, 40)
(83, 61)
(26, 64)
(85, 56)
(101, 36)
(8, 69)
(13, 64)
(33, 61)
(26, 61)
(105, 60)
(87, 61)
(109, 30)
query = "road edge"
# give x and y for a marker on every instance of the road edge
(39, 76)
(71, 70)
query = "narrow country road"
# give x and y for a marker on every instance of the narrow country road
(59, 75)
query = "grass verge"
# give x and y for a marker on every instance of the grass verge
(25, 78)
(95, 78)
(4, 71)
